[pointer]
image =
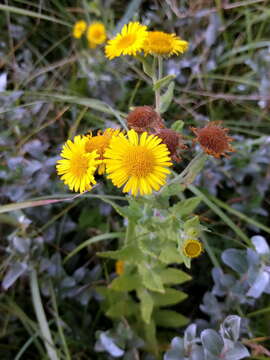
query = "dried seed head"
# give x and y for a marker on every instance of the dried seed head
(173, 140)
(213, 139)
(144, 118)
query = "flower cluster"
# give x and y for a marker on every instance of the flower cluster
(138, 162)
(135, 38)
(95, 32)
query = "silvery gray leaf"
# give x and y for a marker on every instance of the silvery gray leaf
(22, 245)
(176, 351)
(212, 342)
(238, 352)
(236, 259)
(259, 285)
(15, 271)
(260, 244)
(230, 328)
(3, 81)
(106, 343)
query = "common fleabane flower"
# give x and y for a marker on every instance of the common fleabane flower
(129, 41)
(100, 143)
(164, 44)
(192, 248)
(77, 166)
(96, 34)
(79, 29)
(140, 163)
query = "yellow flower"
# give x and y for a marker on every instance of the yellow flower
(161, 43)
(138, 162)
(100, 143)
(96, 34)
(77, 166)
(128, 42)
(119, 267)
(79, 28)
(192, 248)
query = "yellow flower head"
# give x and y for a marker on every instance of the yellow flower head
(119, 267)
(128, 42)
(192, 248)
(161, 43)
(96, 34)
(141, 163)
(100, 143)
(79, 29)
(77, 166)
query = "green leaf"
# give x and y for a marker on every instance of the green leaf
(166, 98)
(178, 126)
(150, 279)
(92, 240)
(146, 305)
(147, 65)
(169, 318)
(193, 223)
(129, 253)
(172, 189)
(171, 297)
(169, 254)
(125, 282)
(174, 276)
(186, 207)
(163, 82)
(125, 307)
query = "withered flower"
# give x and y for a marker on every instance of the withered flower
(213, 139)
(144, 118)
(174, 142)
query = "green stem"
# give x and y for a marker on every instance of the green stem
(130, 232)
(210, 252)
(158, 77)
(41, 317)
(58, 322)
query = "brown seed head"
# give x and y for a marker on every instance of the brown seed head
(173, 140)
(213, 139)
(144, 118)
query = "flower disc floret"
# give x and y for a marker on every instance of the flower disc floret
(96, 34)
(192, 248)
(164, 44)
(100, 143)
(77, 166)
(128, 42)
(140, 163)
(79, 29)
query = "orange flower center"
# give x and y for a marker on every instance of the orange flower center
(99, 143)
(79, 165)
(139, 161)
(127, 41)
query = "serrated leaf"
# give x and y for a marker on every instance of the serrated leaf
(166, 98)
(163, 82)
(150, 279)
(169, 318)
(125, 282)
(174, 276)
(129, 253)
(169, 254)
(146, 304)
(125, 307)
(186, 207)
(171, 297)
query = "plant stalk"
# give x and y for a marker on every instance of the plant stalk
(41, 317)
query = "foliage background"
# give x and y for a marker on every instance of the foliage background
(53, 87)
